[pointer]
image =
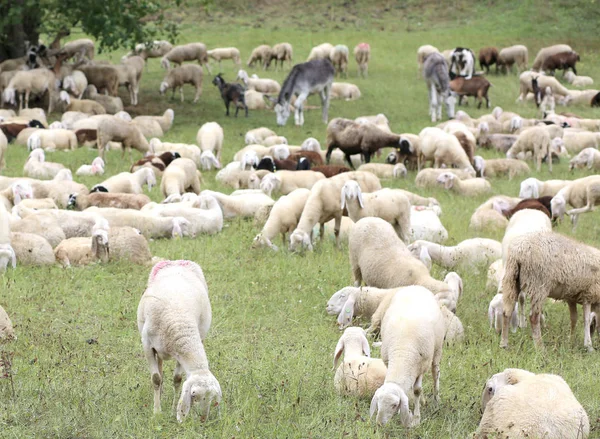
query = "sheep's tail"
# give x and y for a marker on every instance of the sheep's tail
(511, 283)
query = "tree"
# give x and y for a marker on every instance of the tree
(112, 23)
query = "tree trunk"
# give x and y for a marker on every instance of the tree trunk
(23, 26)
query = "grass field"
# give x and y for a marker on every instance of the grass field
(77, 367)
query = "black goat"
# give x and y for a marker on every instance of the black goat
(231, 92)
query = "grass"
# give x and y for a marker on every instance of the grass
(77, 366)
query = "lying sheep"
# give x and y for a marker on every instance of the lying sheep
(83, 251)
(582, 194)
(536, 140)
(31, 249)
(495, 311)
(174, 316)
(534, 188)
(103, 199)
(180, 176)
(257, 135)
(165, 121)
(578, 81)
(96, 168)
(500, 167)
(158, 163)
(472, 187)
(186, 74)
(128, 244)
(111, 104)
(186, 52)
(285, 182)
(345, 90)
(384, 170)
(243, 206)
(7, 253)
(36, 166)
(577, 141)
(427, 178)
(467, 255)
(127, 182)
(44, 224)
(184, 150)
(52, 140)
(356, 301)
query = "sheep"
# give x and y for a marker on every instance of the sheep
(111, 104)
(582, 97)
(315, 158)
(425, 224)
(186, 52)
(184, 150)
(127, 182)
(81, 47)
(36, 166)
(322, 51)
(52, 140)
(262, 85)
(31, 249)
(285, 182)
(495, 311)
(490, 214)
(358, 374)
(25, 82)
(75, 83)
(442, 148)
(80, 251)
(465, 138)
(102, 199)
(588, 158)
(384, 170)
(117, 130)
(514, 55)
(103, 77)
(357, 138)
(449, 298)
(262, 54)
(177, 77)
(339, 58)
(546, 52)
(412, 327)
(128, 244)
(561, 60)
(180, 176)
(82, 105)
(422, 53)
(354, 301)
(225, 53)
(578, 81)
(7, 254)
(477, 87)
(534, 188)
(96, 168)
(238, 178)
(280, 52)
(543, 204)
(165, 121)
(582, 194)
(44, 224)
(540, 405)
(257, 135)
(7, 332)
(380, 258)
(158, 163)
(244, 206)
(535, 139)
(471, 187)
(467, 255)
(488, 56)
(173, 317)
(500, 167)
(256, 100)
(387, 204)
(283, 218)
(3, 149)
(323, 205)
(344, 90)
(576, 141)
(154, 49)
(328, 170)
(427, 178)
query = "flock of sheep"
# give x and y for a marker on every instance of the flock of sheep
(298, 192)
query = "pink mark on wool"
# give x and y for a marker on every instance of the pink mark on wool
(364, 46)
(165, 264)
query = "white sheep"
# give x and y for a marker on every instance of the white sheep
(583, 194)
(274, 141)
(36, 166)
(283, 218)
(185, 150)
(578, 81)
(107, 199)
(52, 140)
(180, 176)
(7, 332)
(111, 104)
(210, 138)
(534, 188)
(442, 148)
(244, 206)
(588, 158)
(449, 298)
(322, 51)
(412, 335)
(31, 249)
(81, 105)
(186, 52)
(96, 168)
(339, 55)
(467, 255)
(263, 85)
(75, 83)
(257, 135)
(362, 55)
(345, 90)
(577, 141)
(165, 121)
(356, 301)
(118, 130)
(222, 53)
(256, 100)
(471, 188)
(7, 254)
(514, 55)
(36, 81)
(500, 167)
(427, 178)
(545, 52)
(173, 317)
(358, 374)
(285, 182)
(422, 53)
(385, 170)
(425, 224)
(186, 74)
(281, 52)
(261, 53)
(495, 311)
(387, 204)
(128, 183)
(83, 251)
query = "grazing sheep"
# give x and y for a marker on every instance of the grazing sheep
(173, 317)
(280, 52)
(117, 130)
(358, 374)
(262, 54)
(412, 335)
(535, 139)
(514, 55)
(442, 148)
(534, 188)
(186, 74)
(322, 51)
(339, 58)
(80, 251)
(467, 255)
(180, 176)
(582, 194)
(588, 158)
(362, 55)
(244, 206)
(578, 81)
(186, 52)
(487, 57)
(384, 170)
(495, 311)
(500, 167)
(96, 168)
(285, 182)
(562, 60)
(225, 53)
(344, 90)
(257, 135)
(103, 199)
(536, 406)
(36, 166)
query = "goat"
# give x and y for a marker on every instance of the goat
(477, 87)
(487, 57)
(562, 60)
(231, 93)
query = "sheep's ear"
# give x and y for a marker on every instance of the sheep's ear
(216, 162)
(184, 404)
(404, 411)
(360, 198)
(590, 161)
(449, 183)
(339, 350)
(306, 242)
(347, 312)
(343, 196)
(13, 258)
(365, 347)
(535, 191)
(373, 407)
(95, 245)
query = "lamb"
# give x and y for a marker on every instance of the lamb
(514, 55)
(7, 332)
(174, 316)
(26, 82)
(225, 53)
(322, 51)
(262, 85)
(244, 206)
(358, 375)
(117, 130)
(546, 52)
(380, 258)
(31, 249)
(96, 168)
(384, 170)
(472, 187)
(186, 52)
(582, 194)
(177, 77)
(589, 158)
(262, 54)
(562, 60)
(467, 255)
(257, 135)
(102, 199)
(80, 251)
(37, 167)
(387, 204)
(111, 104)
(477, 87)
(487, 57)
(578, 81)
(285, 182)
(165, 121)
(75, 83)
(283, 218)
(357, 138)
(500, 167)
(339, 58)
(323, 205)
(344, 90)
(495, 311)
(422, 53)
(442, 148)
(412, 328)
(540, 405)
(128, 244)
(280, 52)
(127, 182)
(82, 105)
(534, 188)
(180, 176)
(427, 178)
(535, 139)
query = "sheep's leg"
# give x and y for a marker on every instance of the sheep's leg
(536, 331)
(173, 94)
(198, 93)
(418, 391)
(237, 107)
(573, 315)
(357, 274)
(181, 93)
(27, 93)
(177, 378)
(336, 230)
(435, 373)
(522, 319)
(321, 231)
(587, 338)
(349, 160)
(155, 364)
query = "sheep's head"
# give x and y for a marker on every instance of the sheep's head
(388, 400)
(37, 155)
(242, 75)
(283, 112)
(479, 165)
(446, 179)
(253, 181)
(124, 115)
(281, 152)
(300, 240)
(262, 241)
(353, 334)
(181, 227)
(150, 177)
(269, 183)
(558, 206)
(98, 188)
(399, 171)
(7, 256)
(250, 159)
(164, 86)
(455, 283)
(21, 191)
(100, 244)
(202, 389)
(336, 303)
(97, 166)
(351, 191)
(495, 383)
(516, 123)
(34, 142)
(10, 96)
(311, 144)
(208, 160)
(529, 188)
(391, 158)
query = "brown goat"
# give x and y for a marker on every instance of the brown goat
(477, 87)
(331, 170)
(314, 157)
(86, 135)
(542, 204)
(561, 61)
(487, 57)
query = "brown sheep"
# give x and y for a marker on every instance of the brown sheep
(542, 204)
(314, 157)
(487, 57)
(86, 135)
(562, 60)
(477, 87)
(157, 162)
(331, 170)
